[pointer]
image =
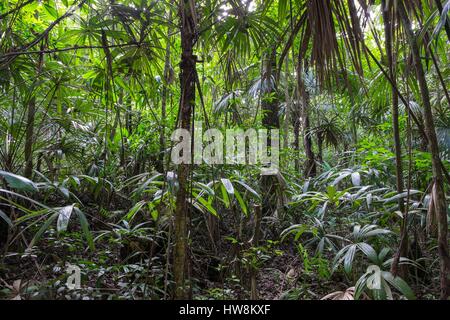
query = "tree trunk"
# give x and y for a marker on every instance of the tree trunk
(164, 93)
(296, 145)
(440, 202)
(403, 246)
(187, 78)
(29, 138)
(320, 147)
(288, 107)
(255, 243)
(310, 166)
(269, 107)
(269, 103)
(31, 112)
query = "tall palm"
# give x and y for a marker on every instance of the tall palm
(188, 25)
(438, 186)
(327, 31)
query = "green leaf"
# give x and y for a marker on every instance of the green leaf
(6, 218)
(369, 251)
(43, 228)
(348, 259)
(443, 20)
(206, 188)
(228, 185)
(85, 227)
(282, 9)
(250, 189)
(360, 285)
(155, 215)
(241, 202)
(331, 191)
(135, 209)
(64, 191)
(399, 284)
(225, 197)
(341, 177)
(207, 205)
(18, 182)
(401, 196)
(51, 11)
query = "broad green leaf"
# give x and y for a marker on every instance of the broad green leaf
(228, 185)
(85, 228)
(369, 251)
(43, 228)
(250, 189)
(348, 259)
(400, 285)
(138, 206)
(241, 202)
(51, 11)
(18, 182)
(6, 218)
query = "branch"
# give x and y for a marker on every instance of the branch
(121, 45)
(20, 6)
(49, 28)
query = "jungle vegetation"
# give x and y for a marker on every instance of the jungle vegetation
(91, 91)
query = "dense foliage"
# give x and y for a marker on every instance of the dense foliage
(91, 91)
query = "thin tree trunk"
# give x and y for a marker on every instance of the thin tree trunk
(31, 112)
(187, 78)
(269, 107)
(166, 81)
(440, 202)
(403, 246)
(269, 103)
(29, 140)
(287, 108)
(296, 145)
(255, 243)
(129, 106)
(320, 147)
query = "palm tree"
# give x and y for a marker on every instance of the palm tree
(319, 25)
(389, 21)
(188, 23)
(438, 186)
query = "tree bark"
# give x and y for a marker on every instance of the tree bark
(269, 107)
(269, 103)
(440, 202)
(403, 246)
(287, 111)
(296, 145)
(164, 94)
(31, 113)
(255, 243)
(187, 102)
(29, 138)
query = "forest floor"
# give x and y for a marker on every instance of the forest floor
(120, 268)
(41, 274)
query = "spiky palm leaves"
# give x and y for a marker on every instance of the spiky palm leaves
(330, 34)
